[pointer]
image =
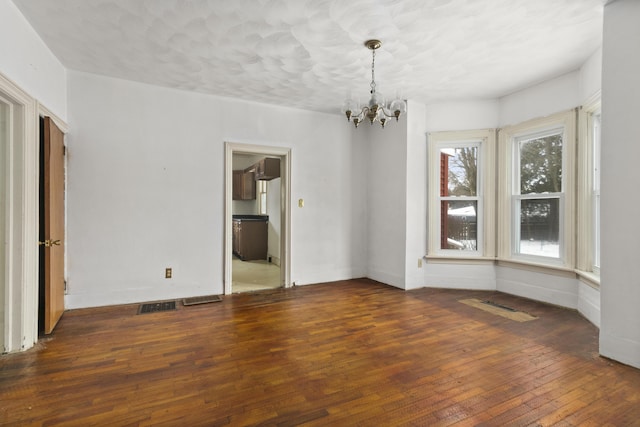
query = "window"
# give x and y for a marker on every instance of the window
(588, 197)
(262, 196)
(459, 197)
(537, 196)
(460, 182)
(536, 211)
(595, 152)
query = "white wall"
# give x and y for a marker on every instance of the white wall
(463, 115)
(589, 302)
(591, 76)
(146, 190)
(460, 276)
(28, 62)
(558, 289)
(549, 97)
(386, 200)
(416, 190)
(620, 283)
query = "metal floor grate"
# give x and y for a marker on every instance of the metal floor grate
(155, 307)
(201, 300)
(495, 304)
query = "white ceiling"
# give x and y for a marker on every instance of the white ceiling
(310, 53)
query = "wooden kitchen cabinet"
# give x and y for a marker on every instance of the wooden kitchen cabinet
(244, 185)
(250, 239)
(267, 169)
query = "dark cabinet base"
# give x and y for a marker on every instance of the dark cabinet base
(250, 239)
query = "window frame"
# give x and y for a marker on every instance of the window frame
(588, 226)
(508, 195)
(518, 197)
(596, 140)
(261, 190)
(485, 211)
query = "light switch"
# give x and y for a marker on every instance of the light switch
(301, 203)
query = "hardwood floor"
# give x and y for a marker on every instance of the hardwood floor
(346, 353)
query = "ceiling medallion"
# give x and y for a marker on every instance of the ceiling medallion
(375, 110)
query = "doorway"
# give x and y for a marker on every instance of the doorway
(264, 210)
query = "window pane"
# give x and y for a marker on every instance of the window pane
(596, 151)
(540, 227)
(596, 233)
(596, 135)
(541, 165)
(459, 171)
(459, 228)
(263, 203)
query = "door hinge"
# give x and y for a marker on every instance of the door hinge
(64, 150)
(65, 287)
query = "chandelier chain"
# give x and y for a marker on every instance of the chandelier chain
(373, 71)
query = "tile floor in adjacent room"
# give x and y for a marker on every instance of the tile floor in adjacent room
(257, 275)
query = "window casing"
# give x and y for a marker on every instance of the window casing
(588, 220)
(595, 229)
(461, 194)
(536, 212)
(262, 196)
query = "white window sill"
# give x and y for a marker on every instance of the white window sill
(589, 278)
(458, 259)
(557, 270)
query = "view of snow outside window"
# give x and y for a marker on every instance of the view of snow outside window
(459, 198)
(540, 186)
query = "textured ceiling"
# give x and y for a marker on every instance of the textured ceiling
(310, 53)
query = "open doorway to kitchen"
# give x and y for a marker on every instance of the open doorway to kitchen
(257, 225)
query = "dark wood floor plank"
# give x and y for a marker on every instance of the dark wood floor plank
(347, 353)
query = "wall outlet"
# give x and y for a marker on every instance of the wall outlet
(167, 273)
(419, 262)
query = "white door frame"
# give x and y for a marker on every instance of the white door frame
(21, 258)
(285, 207)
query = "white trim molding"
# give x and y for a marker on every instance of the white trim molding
(506, 221)
(586, 157)
(43, 111)
(485, 140)
(21, 278)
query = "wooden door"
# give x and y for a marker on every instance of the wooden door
(53, 224)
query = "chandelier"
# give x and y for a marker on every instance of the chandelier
(375, 110)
